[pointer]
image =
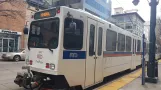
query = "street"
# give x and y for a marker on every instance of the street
(8, 72)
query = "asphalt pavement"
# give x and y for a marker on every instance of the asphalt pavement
(9, 69)
(8, 72)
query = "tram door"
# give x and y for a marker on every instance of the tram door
(94, 58)
(134, 54)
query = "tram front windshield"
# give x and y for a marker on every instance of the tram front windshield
(44, 34)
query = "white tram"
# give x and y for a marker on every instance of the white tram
(70, 47)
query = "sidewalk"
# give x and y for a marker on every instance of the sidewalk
(136, 84)
(132, 81)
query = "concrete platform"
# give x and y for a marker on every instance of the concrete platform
(136, 84)
(132, 81)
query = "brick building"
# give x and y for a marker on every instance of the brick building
(12, 21)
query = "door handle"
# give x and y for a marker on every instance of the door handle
(95, 57)
(94, 53)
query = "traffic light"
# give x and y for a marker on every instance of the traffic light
(135, 2)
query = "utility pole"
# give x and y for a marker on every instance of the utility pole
(152, 64)
(152, 70)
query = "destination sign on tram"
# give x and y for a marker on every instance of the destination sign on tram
(45, 14)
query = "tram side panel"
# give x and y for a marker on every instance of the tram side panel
(114, 65)
(72, 60)
(116, 58)
(138, 52)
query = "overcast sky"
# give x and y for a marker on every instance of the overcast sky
(143, 7)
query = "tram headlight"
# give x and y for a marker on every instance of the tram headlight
(52, 66)
(27, 62)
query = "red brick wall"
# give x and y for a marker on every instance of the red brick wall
(14, 21)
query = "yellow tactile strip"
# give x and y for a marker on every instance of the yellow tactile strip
(122, 81)
(117, 84)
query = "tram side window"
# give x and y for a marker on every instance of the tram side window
(91, 40)
(138, 46)
(111, 38)
(0, 45)
(128, 43)
(100, 41)
(121, 42)
(73, 39)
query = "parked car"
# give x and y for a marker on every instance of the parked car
(16, 56)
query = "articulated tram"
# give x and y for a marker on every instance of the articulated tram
(72, 48)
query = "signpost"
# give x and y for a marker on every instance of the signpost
(152, 69)
(152, 65)
(143, 61)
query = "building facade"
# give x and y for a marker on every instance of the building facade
(100, 8)
(130, 21)
(12, 20)
(157, 31)
(147, 30)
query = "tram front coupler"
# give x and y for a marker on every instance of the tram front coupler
(26, 79)
(35, 80)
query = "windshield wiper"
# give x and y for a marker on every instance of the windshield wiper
(50, 49)
(49, 46)
(28, 47)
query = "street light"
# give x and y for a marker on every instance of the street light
(152, 69)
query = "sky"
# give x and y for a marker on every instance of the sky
(143, 7)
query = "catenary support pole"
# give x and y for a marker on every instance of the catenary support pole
(151, 69)
(143, 60)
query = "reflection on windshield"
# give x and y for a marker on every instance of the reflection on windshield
(44, 34)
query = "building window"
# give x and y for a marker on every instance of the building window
(121, 42)
(111, 38)
(5, 45)
(8, 42)
(8, 45)
(122, 25)
(117, 12)
(134, 26)
(120, 19)
(73, 39)
(11, 45)
(128, 26)
(97, 6)
(73, 1)
(128, 43)
(128, 18)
